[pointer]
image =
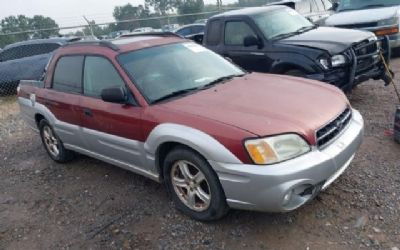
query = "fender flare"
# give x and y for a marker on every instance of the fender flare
(199, 141)
(287, 62)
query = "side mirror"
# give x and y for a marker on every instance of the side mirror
(198, 38)
(249, 41)
(335, 6)
(115, 95)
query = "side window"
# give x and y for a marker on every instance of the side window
(303, 7)
(68, 74)
(236, 31)
(198, 29)
(214, 32)
(11, 54)
(27, 51)
(99, 74)
(184, 31)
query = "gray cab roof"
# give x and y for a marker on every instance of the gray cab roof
(249, 11)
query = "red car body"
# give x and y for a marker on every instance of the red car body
(253, 106)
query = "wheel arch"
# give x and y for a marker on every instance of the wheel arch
(38, 118)
(286, 66)
(165, 137)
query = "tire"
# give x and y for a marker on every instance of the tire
(190, 192)
(296, 72)
(53, 145)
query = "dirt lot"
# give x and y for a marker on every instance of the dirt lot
(90, 204)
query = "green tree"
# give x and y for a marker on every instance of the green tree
(22, 23)
(129, 12)
(14, 24)
(189, 7)
(161, 6)
(97, 30)
(40, 22)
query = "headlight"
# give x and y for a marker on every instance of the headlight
(338, 60)
(389, 22)
(333, 62)
(325, 62)
(276, 149)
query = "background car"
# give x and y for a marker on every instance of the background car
(314, 10)
(277, 39)
(143, 29)
(26, 61)
(191, 29)
(379, 16)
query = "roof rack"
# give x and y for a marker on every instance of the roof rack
(164, 34)
(103, 43)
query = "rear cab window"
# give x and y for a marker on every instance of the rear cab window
(214, 32)
(68, 74)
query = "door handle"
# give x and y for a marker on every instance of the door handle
(88, 112)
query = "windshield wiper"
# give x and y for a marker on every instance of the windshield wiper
(219, 80)
(186, 91)
(173, 94)
(297, 32)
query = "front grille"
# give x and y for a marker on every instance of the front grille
(358, 25)
(333, 128)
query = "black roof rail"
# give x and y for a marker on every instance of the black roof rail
(161, 33)
(102, 43)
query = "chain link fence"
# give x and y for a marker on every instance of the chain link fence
(27, 59)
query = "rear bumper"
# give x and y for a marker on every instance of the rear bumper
(267, 188)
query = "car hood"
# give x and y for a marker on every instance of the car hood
(266, 104)
(361, 16)
(332, 40)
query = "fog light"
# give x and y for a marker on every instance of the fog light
(287, 197)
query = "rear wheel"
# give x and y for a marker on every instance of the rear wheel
(53, 144)
(193, 185)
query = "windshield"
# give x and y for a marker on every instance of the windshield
(281, 22)
(161, 71)
(365, 4)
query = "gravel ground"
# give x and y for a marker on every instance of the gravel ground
(90, 204)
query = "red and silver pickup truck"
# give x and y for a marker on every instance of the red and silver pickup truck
(178, 113)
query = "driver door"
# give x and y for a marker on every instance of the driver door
(111, 130)
(250, 58)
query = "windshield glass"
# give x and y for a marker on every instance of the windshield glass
(365, 4)
(280, 22)
(160, 71)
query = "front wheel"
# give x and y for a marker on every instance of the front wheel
(53, 144)
(193, 185)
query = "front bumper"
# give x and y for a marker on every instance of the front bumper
(263, 188)
(394, 40)
(360, 69)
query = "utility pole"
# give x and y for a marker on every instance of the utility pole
(90, 25)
